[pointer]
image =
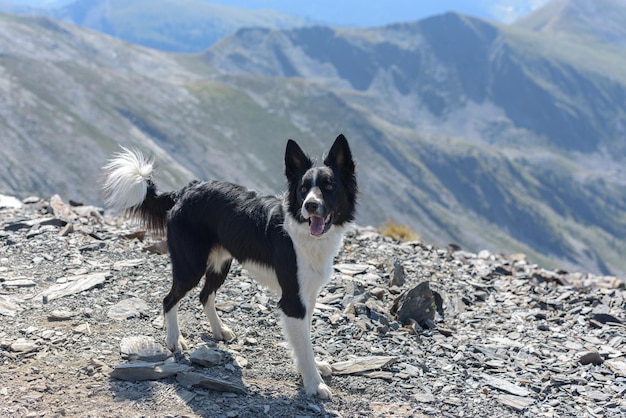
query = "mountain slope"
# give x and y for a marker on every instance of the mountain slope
(471, 132)
(536, 144)
(169, 25)
(598, 21)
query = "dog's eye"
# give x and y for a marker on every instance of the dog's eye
(329, 186)
(304, 189)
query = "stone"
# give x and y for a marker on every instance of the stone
(140, 371)
(397, 276)
(128, 308)
(362, 364)
(505, 385)
(7, 306)
(82, 329)
(351, 269)
(417, 304)
(591, 357)
(518, 403)
(9, 202)
(144, 348)
(617, 366)
(59, 208)
(192, 379)
(19, 282)
(22, 345)
(73, 285)
(61, 315)
(206, 356)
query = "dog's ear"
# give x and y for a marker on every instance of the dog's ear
(296, 161)
(340, 156)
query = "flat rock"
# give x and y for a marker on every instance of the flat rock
(519, 403)
(192, 379)
(135, 262)
(617, 366)
(362, 364)
(7, 306)
(147, 370)
(505, 385)
(73, 285)
(22, 345)
(10, 202)
(206, 356)
(61, 315)
(19, 282)
(128, 308)
(143, 348)
(351, 269)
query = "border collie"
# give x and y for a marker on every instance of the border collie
(287, 243)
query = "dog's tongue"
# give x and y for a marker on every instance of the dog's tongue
(317, 225)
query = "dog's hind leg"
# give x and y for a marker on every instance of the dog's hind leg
(214, 279)
(189, 262)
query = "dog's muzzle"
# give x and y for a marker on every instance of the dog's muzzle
(319, 221)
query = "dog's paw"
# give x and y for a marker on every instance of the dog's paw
(321, 390)
(225, 334)
(176, 344)
(324, 368)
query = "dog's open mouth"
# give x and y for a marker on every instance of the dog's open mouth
(320, 225)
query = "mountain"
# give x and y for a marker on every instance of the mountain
(471, 132)
(487, 127)
(167, 25)
(598, 21)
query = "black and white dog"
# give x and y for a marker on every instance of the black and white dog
(287, 243)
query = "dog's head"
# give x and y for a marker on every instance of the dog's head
(323, 196)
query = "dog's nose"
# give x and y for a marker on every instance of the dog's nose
(311, 206)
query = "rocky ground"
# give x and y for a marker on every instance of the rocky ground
(80, 305)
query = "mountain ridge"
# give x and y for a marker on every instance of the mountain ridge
(449, 154)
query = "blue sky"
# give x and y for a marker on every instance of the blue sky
(369, 12)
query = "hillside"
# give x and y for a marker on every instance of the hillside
(485, 126)
(598, 21)
(169, 25)
(484, 135)
(83, 331)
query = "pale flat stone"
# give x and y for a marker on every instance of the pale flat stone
(351, 269)
(505, 385)
(206, 356)
(191, 379)
(7, 306)
(362, 364)
(127, 308)
(73, 285)
(147, 370)
(144, 348)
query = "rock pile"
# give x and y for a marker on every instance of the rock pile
(409, 329)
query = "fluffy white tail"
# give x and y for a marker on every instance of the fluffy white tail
(127, 176)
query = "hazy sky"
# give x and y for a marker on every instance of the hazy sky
(369, 12)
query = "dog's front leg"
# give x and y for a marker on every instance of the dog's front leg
(298, 334)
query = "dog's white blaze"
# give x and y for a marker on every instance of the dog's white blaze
(310, 197)
(125, 185)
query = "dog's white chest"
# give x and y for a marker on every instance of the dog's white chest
(264, 275)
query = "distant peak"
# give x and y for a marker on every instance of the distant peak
(601, 21)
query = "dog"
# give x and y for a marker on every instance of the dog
(287, 243)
